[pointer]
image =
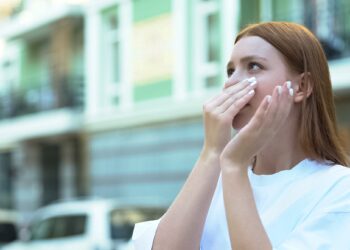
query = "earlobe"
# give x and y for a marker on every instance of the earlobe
(303, 87)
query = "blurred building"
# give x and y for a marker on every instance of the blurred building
(104, 97)
(42, 86)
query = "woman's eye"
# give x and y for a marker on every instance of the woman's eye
(254, 66)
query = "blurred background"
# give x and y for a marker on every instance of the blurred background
(103, 98)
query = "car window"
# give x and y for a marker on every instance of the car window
(122, 221)
(59, 227)
(8, 232)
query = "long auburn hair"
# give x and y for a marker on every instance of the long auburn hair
(303, 53)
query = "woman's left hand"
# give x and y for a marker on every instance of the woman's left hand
(264, 125)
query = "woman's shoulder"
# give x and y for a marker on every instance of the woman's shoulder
(327, 168)
(335, 172)
(335, 181)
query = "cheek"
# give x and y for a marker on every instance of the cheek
(267, 81)
(267, 84)
(256, 100)
(263, 89)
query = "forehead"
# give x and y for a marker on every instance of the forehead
(254, 46)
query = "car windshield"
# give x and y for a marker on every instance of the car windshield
(59, 227)
(122, 221)
(8, 232)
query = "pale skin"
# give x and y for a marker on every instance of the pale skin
(265, 117)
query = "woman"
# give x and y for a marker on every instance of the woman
(280, 182)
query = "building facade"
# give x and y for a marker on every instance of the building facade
(104, 97)
(42, 88)
(143, 143)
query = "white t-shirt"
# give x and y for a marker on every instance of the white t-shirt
(304, 208)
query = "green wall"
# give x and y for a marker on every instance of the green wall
(144, 10)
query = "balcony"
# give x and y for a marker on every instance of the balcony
(69, 93)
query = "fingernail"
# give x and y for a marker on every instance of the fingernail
(252, 79)
(251, 92)
(289, 84)
(268, 98)
(253, 83)
(279, 90)
(291, 92)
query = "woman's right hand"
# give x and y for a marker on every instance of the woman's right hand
(220, 111)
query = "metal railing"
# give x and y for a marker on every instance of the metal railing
(68, 93)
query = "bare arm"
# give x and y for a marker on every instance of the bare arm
(182, 225)
(245, 227)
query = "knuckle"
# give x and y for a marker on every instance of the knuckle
(216, 116)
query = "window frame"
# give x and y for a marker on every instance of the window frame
(204, 69)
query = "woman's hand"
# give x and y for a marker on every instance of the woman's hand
(220, 110)
(269, 117)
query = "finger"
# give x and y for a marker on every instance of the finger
(260, 113)
(216, 101)
(237, 88)
(235, 97)
(288, 90)
(230, 86)
(279, 107)
(274, 101)
(226, 96)
(286, 99)
(239, 104)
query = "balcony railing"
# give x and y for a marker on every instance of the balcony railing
(69, 93)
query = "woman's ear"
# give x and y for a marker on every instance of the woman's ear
(303, 87)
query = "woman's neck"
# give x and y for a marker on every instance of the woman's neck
(283, 152)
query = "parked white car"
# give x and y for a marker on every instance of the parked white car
(84, 225)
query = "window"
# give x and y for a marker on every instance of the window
(59, 227)
(207, 40)
(6, 180)
(8, 232)
(9, 79)
(335, 36)
(249, 12)
(111, 46)
(328, 19)
(292, 11)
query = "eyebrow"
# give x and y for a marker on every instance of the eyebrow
(230, 64)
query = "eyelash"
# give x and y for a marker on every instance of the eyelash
(251, 64)
(250, 67)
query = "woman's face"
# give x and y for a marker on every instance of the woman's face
(253, 56)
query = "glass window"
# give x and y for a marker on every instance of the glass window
(292, 11)
(59, 227)
(213, 35)
(8, 232)
(112, 21)
(6, 180)
(210, 38)
(111, 40)
(329, 20)
(115, 61)
(338, 38)
(122, 221)
(250, 12)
